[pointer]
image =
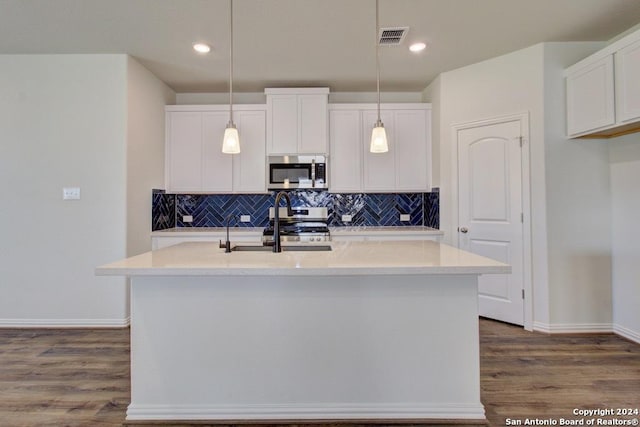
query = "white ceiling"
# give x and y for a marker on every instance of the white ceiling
(303, 42)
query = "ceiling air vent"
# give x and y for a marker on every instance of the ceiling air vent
(392, 36)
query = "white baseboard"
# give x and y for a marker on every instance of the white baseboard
(627, 333)
(65, 323)
(304, 412)
(572, 328)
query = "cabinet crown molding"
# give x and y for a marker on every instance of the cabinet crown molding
(296, 91)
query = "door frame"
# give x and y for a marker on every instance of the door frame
(526, 198)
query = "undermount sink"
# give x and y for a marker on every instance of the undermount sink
(285, 248)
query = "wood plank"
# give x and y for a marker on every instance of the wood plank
(53, 377)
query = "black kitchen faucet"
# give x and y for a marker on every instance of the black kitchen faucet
(277, 244)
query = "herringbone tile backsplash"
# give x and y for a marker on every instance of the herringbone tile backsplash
(372, 209)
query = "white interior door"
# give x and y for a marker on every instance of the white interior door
(490, 213)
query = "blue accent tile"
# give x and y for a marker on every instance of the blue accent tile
(380, 209)
(412, 204)
(372, 209)
(347, 204)
(432, 209)
(163, 208)
(211, 210)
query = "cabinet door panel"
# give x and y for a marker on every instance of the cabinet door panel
(283, 124)
(312, 124)
(590, 97)
(628, 83)
(410, 129)
(249, 167)
(379, 168)
(216, 165)
(184, 151)
(346, 151)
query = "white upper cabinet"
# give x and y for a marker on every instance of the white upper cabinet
(407, 164)
(412, 133)
(194, 159)
(345, 168)
(216, 165)
(183, 150)
(379, 168)
(628, 83)
(590, 97)
(249, 167)
(603, 91)
(297, 120)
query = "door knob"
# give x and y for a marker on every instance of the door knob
(463, 229)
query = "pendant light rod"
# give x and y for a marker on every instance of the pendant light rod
(231, 62)
(379, 142)
(231, 139)
(377, 60)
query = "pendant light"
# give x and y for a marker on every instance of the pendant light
(378, 136)
(231, 140)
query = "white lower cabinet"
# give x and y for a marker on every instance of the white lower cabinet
(194, 160)
(407, 164)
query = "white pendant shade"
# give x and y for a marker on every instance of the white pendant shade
(379, 139)
(231, 141)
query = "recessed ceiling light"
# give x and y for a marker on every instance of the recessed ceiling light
(201, 48)
(417, 47)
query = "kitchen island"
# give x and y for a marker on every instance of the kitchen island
(368, 330)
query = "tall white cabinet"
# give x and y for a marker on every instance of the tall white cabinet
(194, 161)
(603, 91)
(407, 164)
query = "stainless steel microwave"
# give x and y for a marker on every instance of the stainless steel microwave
(300, 171)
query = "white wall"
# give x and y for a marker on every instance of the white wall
(62, 123)
(578, 208)
(497, 87)
(146, 99)
(530, 80)
(624, 157)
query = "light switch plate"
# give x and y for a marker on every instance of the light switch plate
(405, 217)
(71, 193)
(245, 218)
(346, 218)
(187, 218)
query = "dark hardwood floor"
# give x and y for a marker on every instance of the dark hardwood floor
(80, 377)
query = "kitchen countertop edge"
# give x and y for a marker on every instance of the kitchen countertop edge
(341, 231)
(346, 259)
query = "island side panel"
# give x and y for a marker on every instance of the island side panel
(329, 347)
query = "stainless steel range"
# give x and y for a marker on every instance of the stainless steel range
(306, 225)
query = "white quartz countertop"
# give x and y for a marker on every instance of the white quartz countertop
(354, 231)
(206, 231)
(345, 258)
(338, 231)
